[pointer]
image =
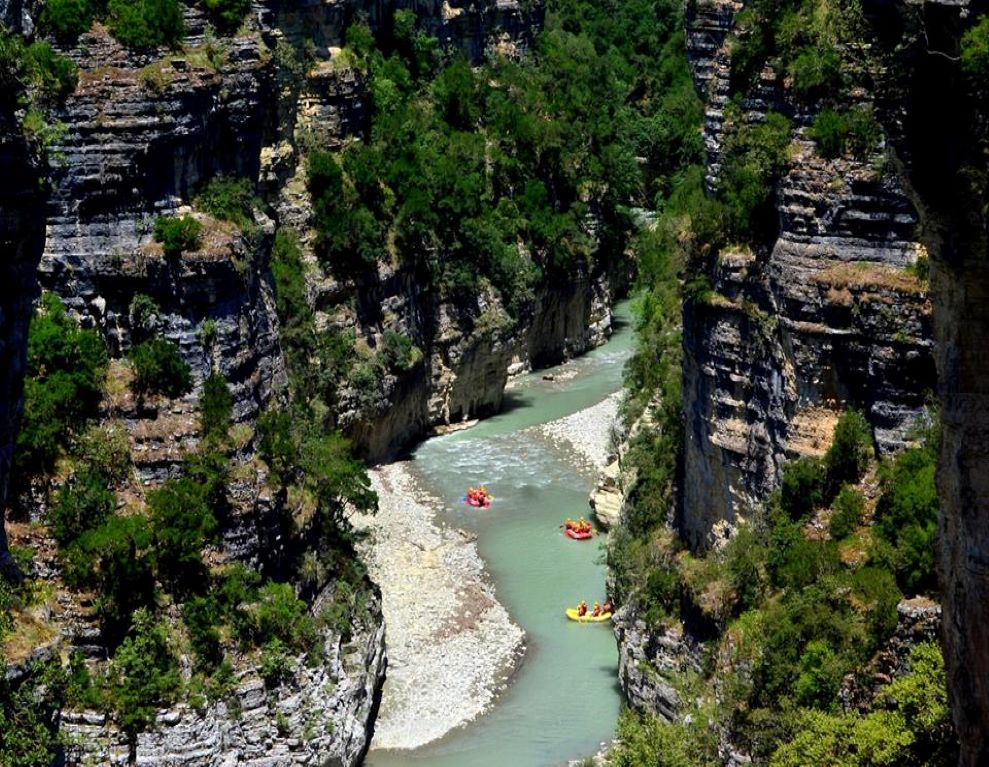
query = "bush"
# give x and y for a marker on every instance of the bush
(906, 517)
(828, 133)
(398, 352)
(846, 514)
(201, 616)
(67, 19)
(276, 665)
(227, 14)
(182, 523)
(146, 23)
(177, 235)
(83, 503)
(145, 674)
(755, 156)
(115, 560)
(54, 76)
(159, 369)
(975, 48)
(855, 131)
(279, 614)
(849, 453)
(802, 487)
(215, 409)
(228, 199)
(66, 366)
(144, 316)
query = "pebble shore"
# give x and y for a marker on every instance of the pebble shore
(586, 432)
(452, 647)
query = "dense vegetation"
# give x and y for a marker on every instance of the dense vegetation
(462, 164)
(138, 24)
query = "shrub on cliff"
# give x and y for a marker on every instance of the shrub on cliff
(906, 517)
(847, 514)
(754, 158)
(850, 452)
(159, 369)
(82, 503)
(182, 523)
(66, 366)
(855, 131)
(146, 23)
(227, 15)
(228, 199)
(215, 409)
(114, 559)
(34, 75)
(177, 235)
(975, 48)
(67, 19)
(144, 673)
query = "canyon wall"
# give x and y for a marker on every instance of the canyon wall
(943, 142)
(138, 138)
(21, 244)
(832, 315)
(827, 317)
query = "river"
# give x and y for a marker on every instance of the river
(564, 700)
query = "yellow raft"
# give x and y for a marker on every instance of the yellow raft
(588, 618)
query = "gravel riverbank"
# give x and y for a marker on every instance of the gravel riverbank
(451, 645)
(586, 432)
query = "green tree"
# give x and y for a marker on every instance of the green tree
(67, 19)
(66, 366)
(145, 673)
(227, 14)
(115, 560)
(201, 616)
(906, 517)
(182, 523)
(228, 199)
(177, 235)
(146, 23)
(83, 503)
(159, 369)
(215, 409)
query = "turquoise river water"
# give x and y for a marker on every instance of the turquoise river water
(564, 699)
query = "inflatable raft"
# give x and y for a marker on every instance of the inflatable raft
(571, 533)
(588, 618)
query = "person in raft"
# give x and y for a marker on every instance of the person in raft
(582, 609)
(569, 524)
(606, 607)
(597, 610)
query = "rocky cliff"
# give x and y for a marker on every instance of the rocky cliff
(942, 111)
(138, 139)
(21, 243)
(829, 316)
(319, 715)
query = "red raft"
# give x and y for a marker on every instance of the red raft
(582, 536)
(478, 497)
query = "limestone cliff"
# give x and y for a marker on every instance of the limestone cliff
(139, 137)
(828, 316)
(943, 143)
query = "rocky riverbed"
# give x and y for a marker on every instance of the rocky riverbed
(451, 645)
(587, 433)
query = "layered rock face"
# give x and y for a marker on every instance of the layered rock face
(143, 133)
(826, 319)
(943, 142)
(21, 243)
(319, 715)
(470, 352)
